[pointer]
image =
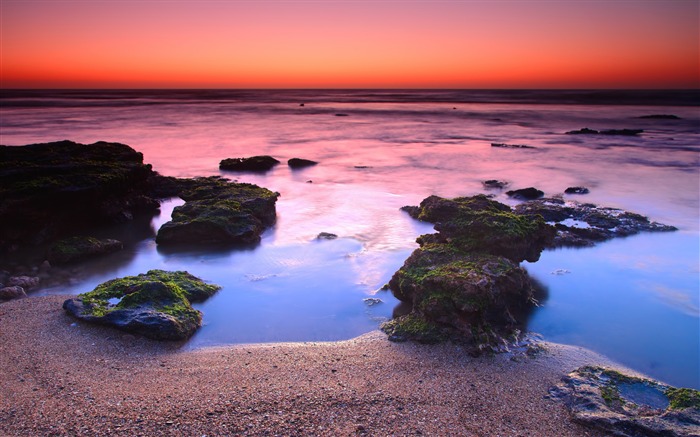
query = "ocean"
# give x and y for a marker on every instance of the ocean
(634, 299)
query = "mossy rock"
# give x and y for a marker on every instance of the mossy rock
(218, 211)
(78, 248)
(626, 405)
(414, 328)
(155, 304)
(481, 225)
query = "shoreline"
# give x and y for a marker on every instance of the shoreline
(64, 377)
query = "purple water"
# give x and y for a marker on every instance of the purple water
(634, 299)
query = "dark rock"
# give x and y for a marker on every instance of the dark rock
(493, 183)
(661, 117)
(341, 115)
(623, 405)
(155, 304)
(512, 146)
(77, 248)
(12, 292)
(55, 189)
(584, 224)
(300, 163)
(220, 212)
(26, 282)
(254, 163)
(587, 131)
(577, 190)
(326, 236)
(525, 193)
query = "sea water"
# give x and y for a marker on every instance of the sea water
(633, 299)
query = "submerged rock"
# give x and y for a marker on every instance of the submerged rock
(300, 163)
(587, 131)
(217, 211)
(584, 224)
(155, 304)
(624, 405)
(525, 193)
(77, 248)
(512, 146)
(493, 183)
(254, 163)
(464, 283)
(54, 189)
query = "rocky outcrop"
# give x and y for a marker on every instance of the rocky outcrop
(217, 211)
(260, 163)
(624, 405)
(55, 189)
(155, 304)
(530, 193)
(11, 292)
(77, 248)
(584, 224)
(464, 282)
(295, 163)
(624, 132)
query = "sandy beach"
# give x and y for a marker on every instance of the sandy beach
(67, 378)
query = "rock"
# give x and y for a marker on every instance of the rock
(326, 236)
(624, 405)
(584, 224)
(217, 211)
(512, 146)
(55, 189)
(26, 282)
(155, 304)
(525, 193)
(577, 190)
(300, 163)
(254, 163)
(661, 117)
(77, 248)
(372, 301)
(587, 131)
(464, 283)
(12, 292)
(341, 115)
(493, 183)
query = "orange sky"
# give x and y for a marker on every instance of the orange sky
(322, 44)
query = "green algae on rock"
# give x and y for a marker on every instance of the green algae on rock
(464, 283)
(155, 304)
(78, 247)
(218, 211)
(626, 405)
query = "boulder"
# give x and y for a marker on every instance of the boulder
(326, 236)
(525, 193)
(493, 183)
(260, 163)
(155, 304)
(26, 282)
(12, 292)
(77, 248)
(623, 405)
(295, 163)
(217, 211)
(55, 189)
(584, 224)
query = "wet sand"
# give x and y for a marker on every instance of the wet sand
(66, 378)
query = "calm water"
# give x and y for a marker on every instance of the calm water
(634, 299)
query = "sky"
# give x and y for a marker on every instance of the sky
(349, 44)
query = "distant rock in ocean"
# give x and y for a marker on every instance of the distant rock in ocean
(493, 183)
(530, 193)
(577, 190)
(587, 131)
(254, 163)
(295, 163)
(661, 117)
(512, 146)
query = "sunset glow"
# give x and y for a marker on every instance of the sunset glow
(307, 44)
